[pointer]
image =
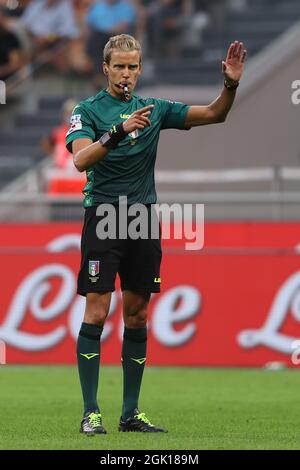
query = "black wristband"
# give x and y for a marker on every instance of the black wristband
(231, 85)
(112, 138)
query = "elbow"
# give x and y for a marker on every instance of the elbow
(220, 119)
(78, 165)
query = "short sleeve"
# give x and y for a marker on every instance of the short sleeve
(173, 114)
(81, 126)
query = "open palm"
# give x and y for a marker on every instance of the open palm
(233, 67)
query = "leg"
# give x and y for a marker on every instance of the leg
(96, 308)
(134, 348)
(139, 273)
(88, 356)
(133, 361)
(96, 280)
(135, 307)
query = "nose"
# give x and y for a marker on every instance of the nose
(126, 72)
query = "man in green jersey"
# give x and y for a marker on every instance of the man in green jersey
(114, 137)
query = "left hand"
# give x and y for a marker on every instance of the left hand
(233, 67)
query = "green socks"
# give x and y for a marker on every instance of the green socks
(133, 362)
(88, 358)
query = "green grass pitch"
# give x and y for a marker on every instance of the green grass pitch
(40, 408)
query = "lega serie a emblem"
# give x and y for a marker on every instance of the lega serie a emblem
(75, 124)
(94, 268)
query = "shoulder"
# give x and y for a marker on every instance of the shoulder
(161, 107)
(90, 103)
(155, 101)
(145, 101)
(92, 100)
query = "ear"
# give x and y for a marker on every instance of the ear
(104, 68)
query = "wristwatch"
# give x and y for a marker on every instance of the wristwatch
(231, 84)
(112, 138)
(105, 140)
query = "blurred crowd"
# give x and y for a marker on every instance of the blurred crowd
(70, 34)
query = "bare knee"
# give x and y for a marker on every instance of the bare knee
(97, 307)
(136, 310)
(139, 320)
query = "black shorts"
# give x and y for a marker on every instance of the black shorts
(136, 261)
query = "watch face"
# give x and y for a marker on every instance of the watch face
(105, 139)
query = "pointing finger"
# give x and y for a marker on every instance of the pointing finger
(145, 109)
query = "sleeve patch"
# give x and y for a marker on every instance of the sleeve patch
(76, 124)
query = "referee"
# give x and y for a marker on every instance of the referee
(113, 137)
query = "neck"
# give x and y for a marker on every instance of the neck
(113, 93)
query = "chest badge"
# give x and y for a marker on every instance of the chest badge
(134, 135)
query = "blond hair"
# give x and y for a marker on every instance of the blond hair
(123, 43)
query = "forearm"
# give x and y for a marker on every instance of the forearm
(213, 113)
(88, 156)
(221, 106)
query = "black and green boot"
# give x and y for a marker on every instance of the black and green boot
(92, 424)
(138, 423)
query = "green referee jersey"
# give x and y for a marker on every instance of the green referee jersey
(127, 170)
